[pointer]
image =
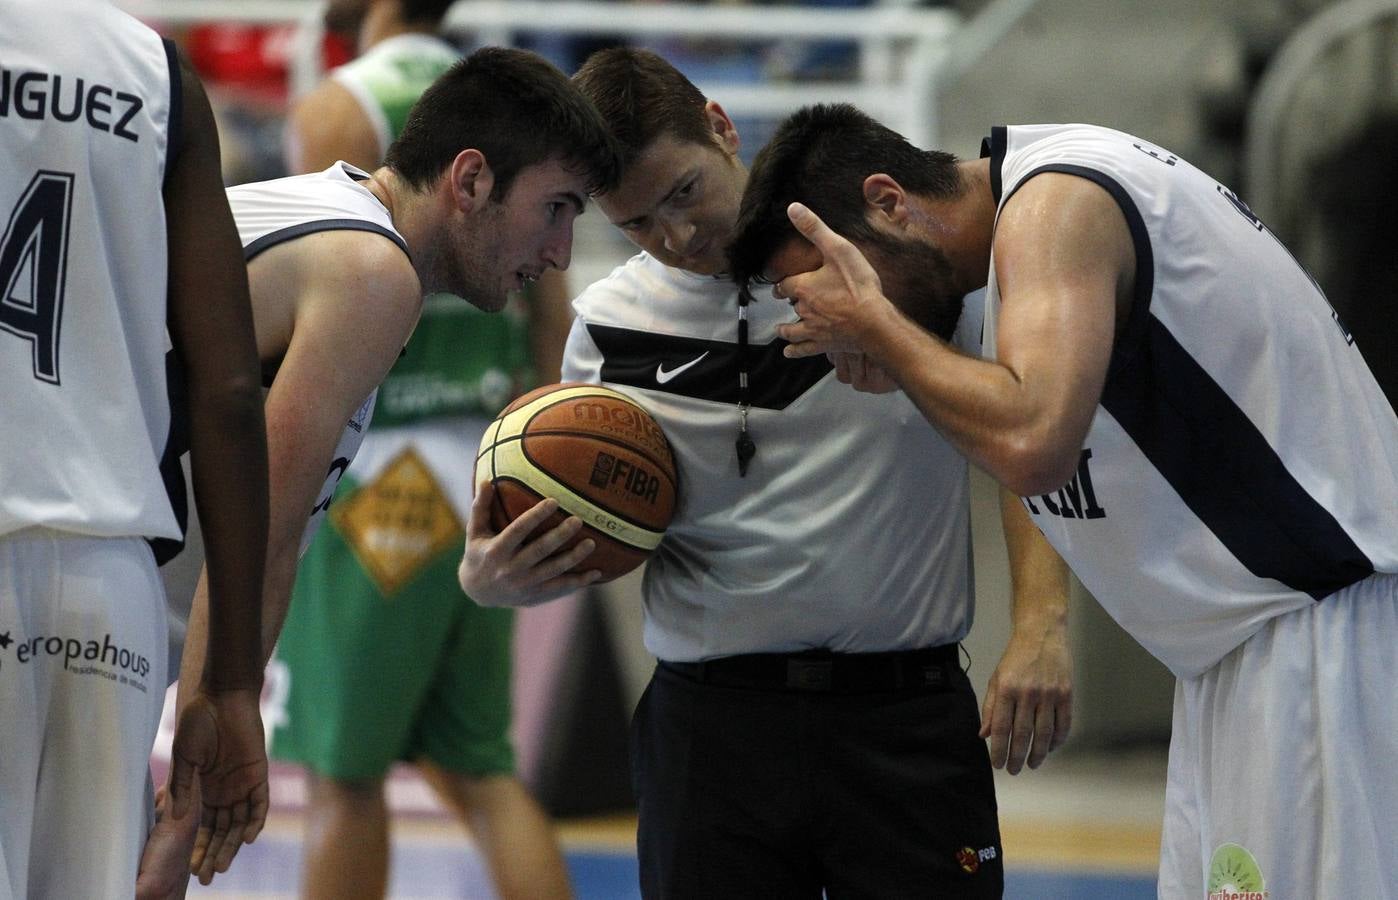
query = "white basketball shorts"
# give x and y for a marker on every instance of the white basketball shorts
(82, 679)
(1283, 774)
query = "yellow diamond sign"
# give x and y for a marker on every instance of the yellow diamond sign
(399, 522)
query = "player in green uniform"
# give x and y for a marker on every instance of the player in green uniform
(386, 659)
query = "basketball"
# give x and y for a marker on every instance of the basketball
(602, 457)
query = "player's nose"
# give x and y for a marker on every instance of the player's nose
(559, 253)
(679, 236)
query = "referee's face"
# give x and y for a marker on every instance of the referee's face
(678, 201)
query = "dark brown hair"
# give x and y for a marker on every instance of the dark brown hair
(517, 109)
(820, 156)
(641, 97)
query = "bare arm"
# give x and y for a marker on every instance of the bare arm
(219, 732)
(1064, 261)
(350, 324)
(326, 125)
(1028, 708)
(211, 327)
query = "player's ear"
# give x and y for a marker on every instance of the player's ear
(471, 180)
(885, 198)
(722, 126)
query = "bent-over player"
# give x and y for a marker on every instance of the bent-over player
(477, 197)
(1184, 417)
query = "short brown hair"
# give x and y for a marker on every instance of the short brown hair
(517, 109)
(820, 157)
(641, 97)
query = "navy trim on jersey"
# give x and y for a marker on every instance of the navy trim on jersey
(1225, 471)
(995, 147)
(1132, 336)
(632, 357)
(174, 137)
(291, 232)
(171, 472)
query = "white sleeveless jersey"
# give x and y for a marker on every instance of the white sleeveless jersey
(851, 528)
(1242, 462)
(89, 118)
(272, 212)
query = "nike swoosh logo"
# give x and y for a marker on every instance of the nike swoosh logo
(662, 376)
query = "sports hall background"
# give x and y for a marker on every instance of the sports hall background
(1292, 102)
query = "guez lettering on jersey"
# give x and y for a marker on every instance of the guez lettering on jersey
(39, 95)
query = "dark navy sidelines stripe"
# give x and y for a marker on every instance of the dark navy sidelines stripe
(291, 232)
(1226, 472)
(171, 471)
(631, 357)
(174, 130)
(994, 147)
(177, 437)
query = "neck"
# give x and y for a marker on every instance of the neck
(402, 203)
(963, 226)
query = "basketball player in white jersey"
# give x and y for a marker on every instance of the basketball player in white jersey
(117, 228)
(476, 197)
(434, 686)
(1185, 418)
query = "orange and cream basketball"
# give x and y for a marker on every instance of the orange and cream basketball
(596, 452)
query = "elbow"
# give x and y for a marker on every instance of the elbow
(1029, 467)
(234, 402)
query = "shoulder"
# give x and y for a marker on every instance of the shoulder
(367, 265)
(622, 282)
(643, 286)
(1105, 156)
(328, 98)
(327, 124)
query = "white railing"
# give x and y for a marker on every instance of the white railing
(1282, 126)
(908, 55)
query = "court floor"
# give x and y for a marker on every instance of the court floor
(1081, 828)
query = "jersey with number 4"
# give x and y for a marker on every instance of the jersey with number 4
(89, 118)
(1242, 461)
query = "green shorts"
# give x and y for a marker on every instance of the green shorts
(387, 658)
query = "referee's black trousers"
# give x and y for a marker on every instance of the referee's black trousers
(857, 775)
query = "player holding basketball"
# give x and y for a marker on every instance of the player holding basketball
(117, 229)
(809, 727)
(1188, 422)
(384, 657)
(477, 197)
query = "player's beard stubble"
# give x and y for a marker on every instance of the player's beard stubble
(917, 278)
(468, 261)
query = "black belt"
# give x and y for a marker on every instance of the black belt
(827, 672)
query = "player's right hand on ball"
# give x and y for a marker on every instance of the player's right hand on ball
(506, 568)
